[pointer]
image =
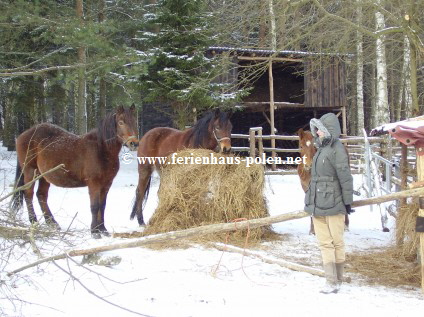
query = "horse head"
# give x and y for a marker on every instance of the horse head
(307, 148)
(126, 128)
(221, 127)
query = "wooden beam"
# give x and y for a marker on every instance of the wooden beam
(420, 177)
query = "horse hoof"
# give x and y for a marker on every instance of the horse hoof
(386, 230)
(96, 235)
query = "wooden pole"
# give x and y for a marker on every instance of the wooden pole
(271, 111)
(260, 142)
(252, 141)
(420, 177)
(344, 128)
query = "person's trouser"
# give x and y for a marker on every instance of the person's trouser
(329, 231)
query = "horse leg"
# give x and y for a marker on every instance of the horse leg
(101, 213)
(144, 174)
(42, 195)
(94, 193)
(29, 194)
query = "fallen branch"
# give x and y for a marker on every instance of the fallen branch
(286, 264)
(269, 260)
(210, 229)
(29, 184)
(174, 235)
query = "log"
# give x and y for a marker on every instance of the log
(163, 237)
(209, 229)
(393, 196)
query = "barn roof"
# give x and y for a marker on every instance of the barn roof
(276, 53)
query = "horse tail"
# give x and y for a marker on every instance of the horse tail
(18, 196)
(137, 199)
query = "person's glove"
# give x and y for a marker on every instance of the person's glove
(349, 209)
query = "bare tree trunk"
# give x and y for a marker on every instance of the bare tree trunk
(382, 103)
(404, 108)
(359, 75)
(81, 111)
(102, 83)
(272, 22)
(415, 45)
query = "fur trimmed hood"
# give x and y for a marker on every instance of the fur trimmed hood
(329, 124)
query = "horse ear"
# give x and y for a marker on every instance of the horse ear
(132, 108)
(120, 110)
(216, 112)
(300, 132)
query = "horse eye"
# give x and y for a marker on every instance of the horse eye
(120, 122)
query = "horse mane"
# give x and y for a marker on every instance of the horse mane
(106, 130)
(200, 130)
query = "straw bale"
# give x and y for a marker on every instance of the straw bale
(192, 195)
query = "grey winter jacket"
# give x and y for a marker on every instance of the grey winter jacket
(331, 186)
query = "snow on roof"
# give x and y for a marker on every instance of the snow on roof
(265, 52)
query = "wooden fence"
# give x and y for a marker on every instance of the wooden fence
(383, 146)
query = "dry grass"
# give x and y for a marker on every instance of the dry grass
(388, 267)
(397, 265)
(192, 195)
(406, 237)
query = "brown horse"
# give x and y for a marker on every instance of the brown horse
(212, 131)
(307, 151)
(90, 160)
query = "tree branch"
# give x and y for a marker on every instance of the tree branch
(29, 184)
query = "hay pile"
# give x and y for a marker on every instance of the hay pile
(387, 267)
(192, 195)
(396, 265)
(406, 237)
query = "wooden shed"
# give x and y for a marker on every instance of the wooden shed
(288, 89)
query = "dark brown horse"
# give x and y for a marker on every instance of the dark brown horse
(307, 151)
(90, 160)
(212, 131)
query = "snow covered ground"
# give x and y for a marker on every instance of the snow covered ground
(193, 281)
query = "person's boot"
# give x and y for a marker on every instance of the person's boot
(330, 273)
(339, 273)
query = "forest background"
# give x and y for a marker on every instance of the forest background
(69, 62)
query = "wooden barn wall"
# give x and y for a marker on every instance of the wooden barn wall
(325, 85)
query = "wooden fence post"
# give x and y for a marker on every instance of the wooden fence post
(420, 178)
(260, 142)
(252, 141)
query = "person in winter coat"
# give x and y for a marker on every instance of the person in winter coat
(329, 196)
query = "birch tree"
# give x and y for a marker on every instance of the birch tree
(381, 101)
(359, 74)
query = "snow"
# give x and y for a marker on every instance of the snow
(193, 281)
